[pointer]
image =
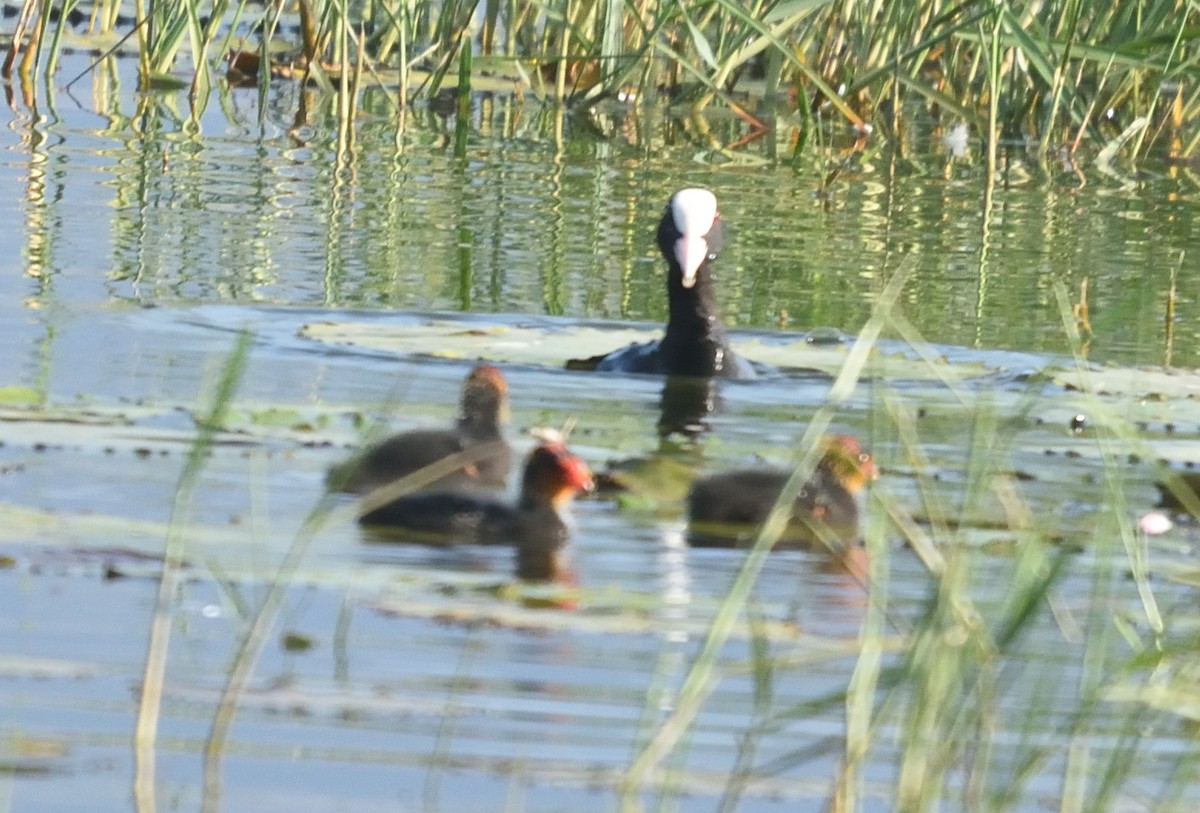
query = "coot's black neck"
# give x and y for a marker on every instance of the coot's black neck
(695, 342)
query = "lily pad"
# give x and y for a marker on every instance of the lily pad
(552, 344)
(1151, 383)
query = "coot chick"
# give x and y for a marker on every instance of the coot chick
(535, 525)
(483, 411)
(724, 510)
(689, 235)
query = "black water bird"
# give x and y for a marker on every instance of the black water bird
(690, 235)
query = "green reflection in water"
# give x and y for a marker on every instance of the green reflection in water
(526, 223)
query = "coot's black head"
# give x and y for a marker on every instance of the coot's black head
(690, 232)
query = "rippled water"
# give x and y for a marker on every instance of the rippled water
(135, 256)
(244, 215)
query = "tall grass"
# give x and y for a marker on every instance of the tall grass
(150, 701)
(701, 677)
(968, 712)
(1058, 72)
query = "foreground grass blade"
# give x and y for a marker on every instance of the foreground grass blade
(700, 678)
(150, 702)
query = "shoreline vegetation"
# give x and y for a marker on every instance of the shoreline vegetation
(1056, 74)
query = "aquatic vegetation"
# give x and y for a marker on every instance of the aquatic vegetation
(1058, 73)
(966, 698)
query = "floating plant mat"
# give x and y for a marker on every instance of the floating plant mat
(549, 341)
(552, 344)
(1154, 383)
(606, 612)
(168, 430)
(1155, 411)
(134, 545)
(132, 548)
(112, 427)
(141, 427)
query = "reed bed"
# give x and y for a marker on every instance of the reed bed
(1055, 73)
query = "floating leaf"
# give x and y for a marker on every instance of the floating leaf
(278, 416)
(19, 395)
(1135, 381)
(29, 667)
(551, 345)
(295, 642)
